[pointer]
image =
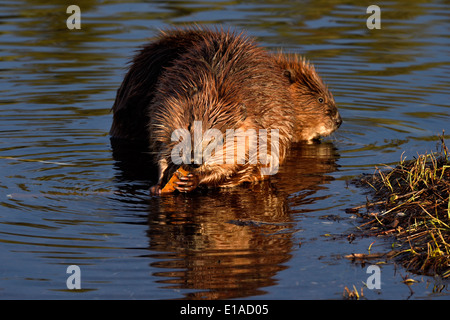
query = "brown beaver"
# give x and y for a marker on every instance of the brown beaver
(190, 88)
(315, 110)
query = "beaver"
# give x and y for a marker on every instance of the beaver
(316, 113)
(187, 90)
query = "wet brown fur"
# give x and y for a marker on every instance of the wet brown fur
(313, 117)
(226, 81)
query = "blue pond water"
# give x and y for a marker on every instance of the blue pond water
(67, 199)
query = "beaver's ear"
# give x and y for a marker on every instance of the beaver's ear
(289, 74)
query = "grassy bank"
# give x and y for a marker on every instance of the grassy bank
(412, 203)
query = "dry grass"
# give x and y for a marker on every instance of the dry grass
(352, 294)
(411, 201)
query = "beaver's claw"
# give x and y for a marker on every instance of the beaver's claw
(187, 183)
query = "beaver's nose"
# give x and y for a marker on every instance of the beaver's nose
(338, 121)
(194, 164)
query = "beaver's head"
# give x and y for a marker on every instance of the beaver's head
(192, 128)
(315, 109)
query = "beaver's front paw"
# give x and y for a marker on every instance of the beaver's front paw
(187, 183)
(155, 190)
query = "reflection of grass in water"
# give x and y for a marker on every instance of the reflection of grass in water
(412, 202)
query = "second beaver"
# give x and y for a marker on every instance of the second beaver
(316, 114)
(191, 87)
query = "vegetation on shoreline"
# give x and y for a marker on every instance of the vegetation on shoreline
(412, 203)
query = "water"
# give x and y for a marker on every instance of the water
(67, 199)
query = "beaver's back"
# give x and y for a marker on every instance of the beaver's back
(179, 51)
(224, 80)
(137, 90)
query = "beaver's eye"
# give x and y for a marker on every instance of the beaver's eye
(321, 100)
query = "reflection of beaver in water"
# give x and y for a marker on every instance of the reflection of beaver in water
(199, 79)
